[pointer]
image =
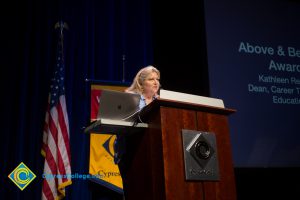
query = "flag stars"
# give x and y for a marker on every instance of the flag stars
(57, 84)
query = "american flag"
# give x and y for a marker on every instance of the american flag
(56, 144)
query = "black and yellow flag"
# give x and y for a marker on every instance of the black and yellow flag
(102, 152)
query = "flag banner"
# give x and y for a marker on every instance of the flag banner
(56, 144)
(101, 161)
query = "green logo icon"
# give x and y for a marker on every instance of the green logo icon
(21, 176)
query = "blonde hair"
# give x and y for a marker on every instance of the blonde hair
(137, 84)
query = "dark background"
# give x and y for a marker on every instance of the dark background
(170, 35)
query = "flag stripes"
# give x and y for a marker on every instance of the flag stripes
(57, 150)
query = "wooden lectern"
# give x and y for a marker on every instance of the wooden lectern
(155, 170)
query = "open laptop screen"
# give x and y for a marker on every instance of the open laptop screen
(115, 105)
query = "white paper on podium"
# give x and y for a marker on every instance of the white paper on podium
(190, 98)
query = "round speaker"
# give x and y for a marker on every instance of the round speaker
(202, 149)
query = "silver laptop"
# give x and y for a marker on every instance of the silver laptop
(116, 105)
(117, 113)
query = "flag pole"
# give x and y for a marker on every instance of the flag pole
(61, 25)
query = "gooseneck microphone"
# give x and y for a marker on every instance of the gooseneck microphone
(123, 67)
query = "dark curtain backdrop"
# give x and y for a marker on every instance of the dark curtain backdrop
(101, 34)
(180, 45)
(168, 34)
